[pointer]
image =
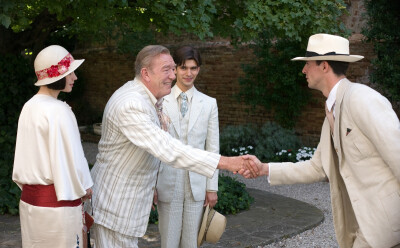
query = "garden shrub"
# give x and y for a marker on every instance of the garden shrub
(272, 138)
(232, 138)
(302, 154)
(17, 86)
(263, 142)
(232, 196)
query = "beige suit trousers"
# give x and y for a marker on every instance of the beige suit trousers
(180, 216)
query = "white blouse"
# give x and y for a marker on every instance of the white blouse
(49, 150)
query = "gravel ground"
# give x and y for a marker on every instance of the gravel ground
(317, 194)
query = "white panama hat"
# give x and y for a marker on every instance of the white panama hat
(53, 63)
(328, 47)
(212, 227)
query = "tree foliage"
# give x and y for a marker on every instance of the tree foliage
(32, 21)
(383, 30)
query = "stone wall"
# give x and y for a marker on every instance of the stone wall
(104, 71)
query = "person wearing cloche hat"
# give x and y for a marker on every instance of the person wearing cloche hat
(358, 152)
(49, 164)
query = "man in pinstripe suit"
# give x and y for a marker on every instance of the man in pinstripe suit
(194, 120)
(131, 147)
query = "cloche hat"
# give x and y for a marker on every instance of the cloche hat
(212, 227)
(328, 47)
(53, 63)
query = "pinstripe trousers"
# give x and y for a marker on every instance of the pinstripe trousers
(180, 219)
(107, 238)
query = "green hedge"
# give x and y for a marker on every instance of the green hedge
(17, 86)
(264, 141)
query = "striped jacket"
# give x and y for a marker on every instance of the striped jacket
(130, 149)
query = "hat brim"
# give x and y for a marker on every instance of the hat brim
(216, 227)
(200, 237)
(342, 58)
(74, 65)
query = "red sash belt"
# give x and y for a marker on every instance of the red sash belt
(45, 196)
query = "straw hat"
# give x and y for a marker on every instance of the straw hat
(328, 47)
(53, 63)
(212, 227)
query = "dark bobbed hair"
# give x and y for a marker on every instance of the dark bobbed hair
(57, 85)
(338, 67)
(186, 53)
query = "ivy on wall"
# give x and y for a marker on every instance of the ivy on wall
(383, 30)
(274, 81)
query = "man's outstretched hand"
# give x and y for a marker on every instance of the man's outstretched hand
(254, 167)
(249, 166)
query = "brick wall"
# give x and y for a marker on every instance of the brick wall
(105, 71)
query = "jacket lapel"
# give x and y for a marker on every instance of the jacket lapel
(338, 109)
(195, 109)
(171, 107)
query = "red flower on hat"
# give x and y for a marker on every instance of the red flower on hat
(65, 61)
(53, 71)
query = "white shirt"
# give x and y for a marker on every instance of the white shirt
(330, 102)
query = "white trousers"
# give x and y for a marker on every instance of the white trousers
(107, 238)
(179, 221)
(43, 227)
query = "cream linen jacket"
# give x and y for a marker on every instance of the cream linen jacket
(130, 149)
(362, 163)
(203, 133)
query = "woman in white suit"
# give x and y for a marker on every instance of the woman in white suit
(181, 193)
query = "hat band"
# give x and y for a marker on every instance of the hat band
(314, 54)
(56, 70)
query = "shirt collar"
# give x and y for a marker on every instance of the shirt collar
(332, 96)
(177, 91)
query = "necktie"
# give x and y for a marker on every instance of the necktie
(164, 120)
(331, 119)
(184, 104)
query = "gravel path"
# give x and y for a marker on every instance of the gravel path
(317, 194)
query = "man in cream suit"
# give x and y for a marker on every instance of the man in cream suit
(132, 143)
(194, 121)
(359, 150)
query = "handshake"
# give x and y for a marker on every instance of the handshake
(249, 166)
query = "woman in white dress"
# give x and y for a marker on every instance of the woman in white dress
(49, 165)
